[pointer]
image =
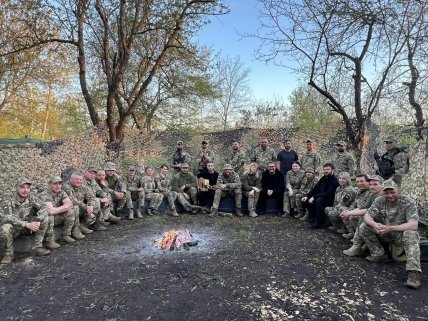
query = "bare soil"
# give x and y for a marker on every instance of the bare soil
(266, 268)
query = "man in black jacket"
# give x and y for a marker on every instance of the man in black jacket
(272, 186)
(321, 196)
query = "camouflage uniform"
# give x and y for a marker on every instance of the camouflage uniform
(248, 182)
(262, 157)
(163, 186)
(13, 217)
(363, 200)
(106, 210)
(293, 180)
(180, 157)
(400, 164)
(233, 188)
(311, 160)
(187, 179)
(99, 193)
(149, 185)
(132, 185)
(405, 211)
(305, 188)
(343, 199)
(82, 197)
(117, 184)
(237, 160)
(68, 219)
(343, 162)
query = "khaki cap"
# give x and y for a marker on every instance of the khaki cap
(375, 178)
(55, 179)
(180, 142)
(132, 168)
(309, 170)
(22, 181)
(110, 166)
(227, 166)
(390, 139)
(92, 169)
(308, 141)
(389, 184)
(341, 143)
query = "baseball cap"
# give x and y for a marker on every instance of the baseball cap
(375, 178)
(22, 181)
(55, 179)
(390, 139)
(110, 166)
(341, 143)
(309, 170)
(92, 169)
(132, 168)
(389, 184)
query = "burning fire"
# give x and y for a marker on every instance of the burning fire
(173, 239)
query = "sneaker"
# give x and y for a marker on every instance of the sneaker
(7, 259)
(131, 215)
(155, 211)
(84, 229)
(40, 251)
(354, 250)
(68, 239)
(348, 236)
(304, 217)
(52, 245)
(150, 212)
(413, 280)
(174, 213)
(377, 258)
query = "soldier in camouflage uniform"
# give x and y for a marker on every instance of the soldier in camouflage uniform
(22, 214)
(251, 186)
(343, 161)
(135, 193)
(180, 157)
(236, 158)
(343, 199)
(228, 184)
(362, 201)
(311, 159)
(149, 185)
(375, 186)
(393, 218)
(205, 156)
(106, 208)
(293, 181)
(163, 186)
(83, 202)
(184, 183)
(263, 154)
(61, 212)
(308, 182)
(117, 188)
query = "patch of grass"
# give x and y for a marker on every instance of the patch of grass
(242, 235)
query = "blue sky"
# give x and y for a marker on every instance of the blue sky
(223, 34)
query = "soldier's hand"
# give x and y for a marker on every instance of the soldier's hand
(255, 189)
(251, 193)
(119, 195)
(375, 167)
(183, 187)
(383, 229)
(90, 209)
(304, 199)
(104, 201)
(222, 186)
(140, 189)
(270, 192)
(311, 200)
(344, 215)
(33, 226)
(187, 197)
(290, 192)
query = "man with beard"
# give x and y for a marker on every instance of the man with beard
(228, 184)
(106, 208)
(308, 182)
(236, 158)
(155, 198)
(206, 191)
(180, 157)
(311, 159)
(117, 188)
(263, 154)
(286, 157)
(184, 183)
(22, 214)
(205, 156)
(393, 218)
(163, 187)
(321, 196)
(135, 192)
(272, 186)
(100, 196)
(343, 160)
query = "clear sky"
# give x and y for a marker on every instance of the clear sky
(224, 34)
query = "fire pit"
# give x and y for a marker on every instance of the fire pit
(176, 240)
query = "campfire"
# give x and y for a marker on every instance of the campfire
(176, 240)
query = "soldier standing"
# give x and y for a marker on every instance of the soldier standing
(135, 192)
(236, 158)
(180, 157)
(311, 159)
(293, 181)
(263, 154)
(343, 160)
(205, 156)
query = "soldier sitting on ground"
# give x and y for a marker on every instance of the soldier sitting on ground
(251, 186)
(393, 218)
(152, 196)
(22, 214)
(293, 181)
(135, 193)
(106, 208)
(163, 186)
(117, 189)
(308, 182)
(61, 212)
(228, 184)
(184, 183)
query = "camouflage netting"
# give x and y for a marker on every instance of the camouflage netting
(39, 161)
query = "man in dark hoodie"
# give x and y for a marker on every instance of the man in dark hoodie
(321, 196)
(272, 186)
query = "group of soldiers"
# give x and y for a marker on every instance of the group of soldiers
(369, 214)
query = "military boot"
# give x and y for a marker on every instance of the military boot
(174, 213)
(354, 250)
(305, 217)
(98, 227)
(285, 214)
(299, 215)
(68, 239)
(7, 259)
(131, 215)
(77, 234)
(342, 230)
(239, 213)
(214, 212)
(104, 223)
(149, 212)
(348, 236)
(84, 229)
(114, 219)
(333, 228)
(40, 251)
(413, 280)
(377, 258)
(253, 213)
(52, 245)
(138, 213)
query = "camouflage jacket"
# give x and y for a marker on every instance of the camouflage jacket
(404, 211)
(363, 199)
(208, 153)
(294, 179)
(57, 200)
(251, 180)
(343, 162)
(104, 187)
(33, 209)
(232, 181)
(307, 185)
(262, 157)
(163, 183)
(148, 183)
(399, 160)
(95, 188)
(237, 160)
(116, 184)
(311, 160)
(180, 157)
(80, 196)
(179, 180)
(344, 196)
(133, 183)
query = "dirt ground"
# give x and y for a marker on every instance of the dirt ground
(266, 268)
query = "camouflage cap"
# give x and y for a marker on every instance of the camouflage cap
(308, 141)
(132, 168)
(22, 181)
(110, 166)
(341, 143)
(309, 170)
(92, 169)
(204, 142)
(375, 178)
(390, 139)
(389, 184)
(55, 179)
(227, 166)
(180, 142)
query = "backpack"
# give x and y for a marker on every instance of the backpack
(386, 163)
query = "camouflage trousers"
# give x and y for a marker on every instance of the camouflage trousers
(352, 223)
(409, 240)
(192, 192)
(252, 200)
(8, 233)
(290, 201)
(219, 194)
(135, 196)
(121, 202)
(170, 196)
(84, 217)
(155, 200)
(183, 201)
(333, 213)
(299, 204)
(68, 219)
